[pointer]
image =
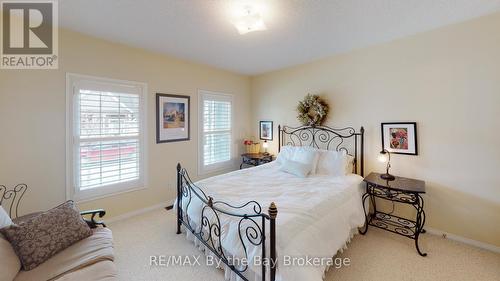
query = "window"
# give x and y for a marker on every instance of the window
(105, 135)
(215, 132)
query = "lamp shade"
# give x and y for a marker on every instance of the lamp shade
(382, 157)
(385, 157)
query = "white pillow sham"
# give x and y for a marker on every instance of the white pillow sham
(286, 153)
(303, 154)
(308, 156)
(350, 164)
(295, 168)
(334, 163)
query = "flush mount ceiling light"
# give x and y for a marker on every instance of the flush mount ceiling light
(247, 17)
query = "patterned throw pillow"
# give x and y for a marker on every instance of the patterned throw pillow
(37, 239)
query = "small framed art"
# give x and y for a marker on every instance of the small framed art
(266, 130)
(400, 137)
(172, 118)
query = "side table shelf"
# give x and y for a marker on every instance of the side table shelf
(401, 190)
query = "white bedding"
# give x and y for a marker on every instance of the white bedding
(317, 215)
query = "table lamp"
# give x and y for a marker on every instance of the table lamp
(265, 145)
(385, 156)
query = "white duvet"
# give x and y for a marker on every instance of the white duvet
(317, 216)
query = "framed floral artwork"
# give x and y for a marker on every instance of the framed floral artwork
(400, 137)
(172, 118)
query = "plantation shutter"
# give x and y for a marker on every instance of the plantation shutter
(217, 129)
(107, 136)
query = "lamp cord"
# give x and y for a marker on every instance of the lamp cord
(389, 195)
(392, 211)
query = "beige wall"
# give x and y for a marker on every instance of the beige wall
(32, 119)
(448, 81)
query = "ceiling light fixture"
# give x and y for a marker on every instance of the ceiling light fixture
(248, 18)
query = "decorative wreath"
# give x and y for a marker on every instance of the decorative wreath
(312, 110)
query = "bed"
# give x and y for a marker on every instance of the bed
(318, 214)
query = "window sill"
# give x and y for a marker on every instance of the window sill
(217, 168)
(101, 195)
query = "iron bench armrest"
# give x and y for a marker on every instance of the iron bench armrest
(92, 222)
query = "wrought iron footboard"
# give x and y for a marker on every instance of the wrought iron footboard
(208, 229)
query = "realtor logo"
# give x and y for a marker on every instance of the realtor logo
(29, 35)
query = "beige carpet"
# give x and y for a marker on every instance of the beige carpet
(377, 256)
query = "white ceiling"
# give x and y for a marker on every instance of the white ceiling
(298, 31)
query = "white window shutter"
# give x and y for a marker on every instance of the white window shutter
(216, 131)
(108, 140)
(108, 137)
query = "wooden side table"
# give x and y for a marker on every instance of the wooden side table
(255, 159)
(401, 190)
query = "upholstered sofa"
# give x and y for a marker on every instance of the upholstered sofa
(91, 258)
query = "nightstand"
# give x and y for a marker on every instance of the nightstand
(403, 191)
(255, 159)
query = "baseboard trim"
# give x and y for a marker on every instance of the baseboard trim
(464, 240)
(135, 213)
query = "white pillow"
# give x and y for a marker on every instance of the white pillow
(334, 163)
(286, 153)
(4, 218)
(307, 155)
(295, 168)
(303, 154)
(350, 164)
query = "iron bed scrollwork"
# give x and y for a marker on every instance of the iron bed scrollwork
(327, 138)
(12, 197)
(252, 221)
(251, 224)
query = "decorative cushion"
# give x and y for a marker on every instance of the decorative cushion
(26, 217)
(295, 168)
(4, 218)
(37, 239)
(9, 262)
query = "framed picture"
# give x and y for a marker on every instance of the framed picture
(400, 137)
(172, 118)
(266, 130)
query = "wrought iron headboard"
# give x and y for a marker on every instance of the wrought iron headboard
(323, 137)
(9, 199)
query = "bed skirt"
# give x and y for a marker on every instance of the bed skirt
(230, 275)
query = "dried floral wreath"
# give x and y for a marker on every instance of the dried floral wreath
(312, 110)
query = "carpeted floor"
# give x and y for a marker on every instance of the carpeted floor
(377, 256)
